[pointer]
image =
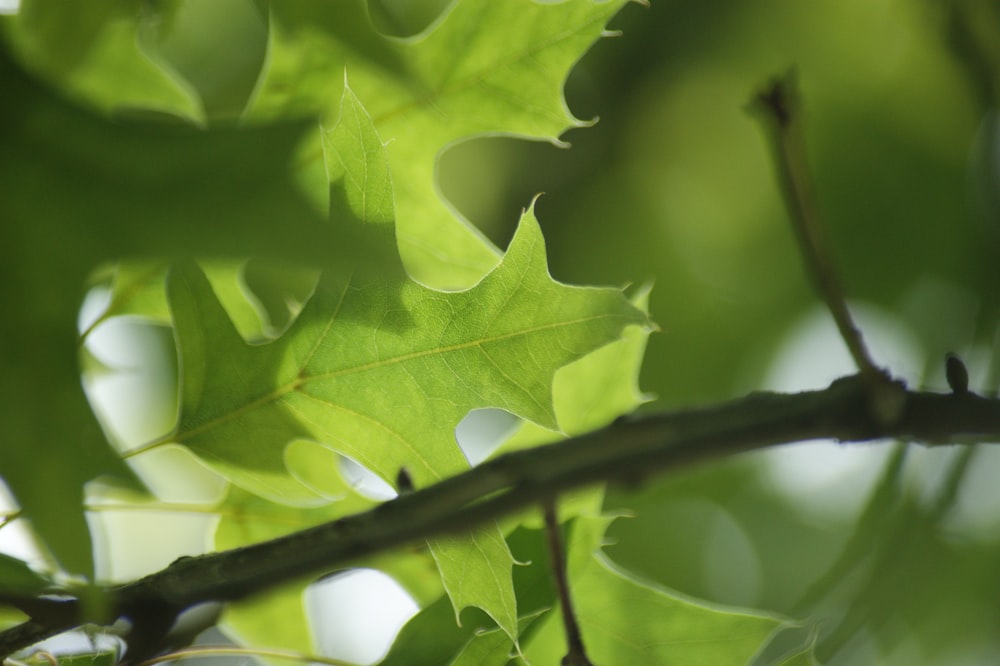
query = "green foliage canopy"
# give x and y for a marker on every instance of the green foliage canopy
(374, 365)
(285, 224)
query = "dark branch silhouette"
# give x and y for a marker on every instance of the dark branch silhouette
(627, 452)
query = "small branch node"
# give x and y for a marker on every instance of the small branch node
(956, 374)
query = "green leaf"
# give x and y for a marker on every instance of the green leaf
(626, 621)
(485, 649)
(593, 391)
(433, 633)
(383, 386)
(277, 619)
(228, 284)
(363, 347)
(589, 394)
(341, 372)
(490, 647)
(356, 158)
(476, 570)
(460, 79)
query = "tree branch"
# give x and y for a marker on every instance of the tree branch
(625, 452)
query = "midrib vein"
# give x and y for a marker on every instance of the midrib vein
(277, 394)
(444, 350)
(301, 381)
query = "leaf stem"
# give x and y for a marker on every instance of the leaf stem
(150, 445)
(163, 507)
(7, 517)
(576, 655)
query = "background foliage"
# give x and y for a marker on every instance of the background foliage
(889, 554)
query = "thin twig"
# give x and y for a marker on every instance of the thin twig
(780, 109)
(576, 655)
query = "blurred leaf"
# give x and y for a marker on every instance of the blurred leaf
(80, 191)
(94, 53)
(216, 47)
(484, 68)
(131, 177)
(18, 579)
(476, 572)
